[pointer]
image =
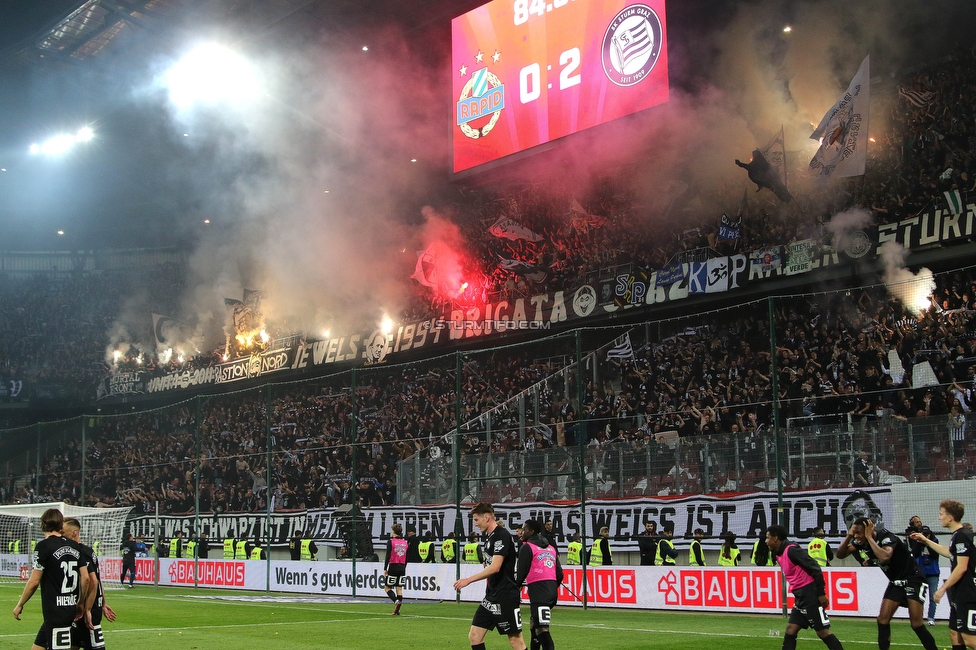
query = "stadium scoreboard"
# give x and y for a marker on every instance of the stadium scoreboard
(526, 72)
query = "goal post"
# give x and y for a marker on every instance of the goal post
(20, 530)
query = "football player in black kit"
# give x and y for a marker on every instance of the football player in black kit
(89, 635)
(906, 586)
(961, 583)
(500, 608)
(63, 579)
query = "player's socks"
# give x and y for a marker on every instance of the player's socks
(884, 636)
(391, 594)
(923, 634)
(959, 647)
(535, 643)
(789, 642)
(832, 642)
(480, 646)
(546, 640)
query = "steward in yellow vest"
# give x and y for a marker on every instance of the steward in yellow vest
(240, 549)
(424, 549)
(257, 553)
(191, 549)
(729, 555)
(472, 550)
(696, 556)
(449, 548)
(818, 548)
(574, 551)
(759, 551)
(666, 554)
(13, 547)
(308, 550)
(228, 548)
(174, 546)
(600, 554)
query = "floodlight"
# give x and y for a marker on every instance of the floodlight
(387, 325)
(85, 134)
(211, 74)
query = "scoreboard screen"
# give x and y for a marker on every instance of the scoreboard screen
(529, 71)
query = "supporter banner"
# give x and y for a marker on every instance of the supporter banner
(746, 515)
(545, 311)
(799, 257)
(939, 227)
(240, 526)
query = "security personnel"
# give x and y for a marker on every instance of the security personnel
(175, 545)
(666, 553)
(600, 554)
(426, 548)
(240, 550)
(574, 551)
(758, 549)
(307, 550)
(33, 546)
(229, 547)
(190, 551)
(95, 546)
(257, 553)
(819, 549)
(472, 550)
(203, 547)
(729, 555)
(449, 548)
(13, 547)
(696, 556)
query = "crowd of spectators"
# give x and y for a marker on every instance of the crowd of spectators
(851, 354)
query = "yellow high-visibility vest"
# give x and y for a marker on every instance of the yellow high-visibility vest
(471, 552)
(729, 561)
(229, 548)
(692, 559)
(449, 549)
(174, 547)
(424, 550)
(574, 553)
(660, 559)
(817, 549)
(191, 549)
(256, 553)
(240, 550)
(306, 552)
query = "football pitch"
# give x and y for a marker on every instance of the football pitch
(187, 619)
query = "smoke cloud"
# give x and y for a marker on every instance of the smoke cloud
(913, 290)
(314, 199)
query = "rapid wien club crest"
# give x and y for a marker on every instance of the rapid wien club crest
(482, 96)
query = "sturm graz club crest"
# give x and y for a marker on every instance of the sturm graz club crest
(632, 45)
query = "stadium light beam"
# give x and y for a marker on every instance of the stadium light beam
(211, 74)
(63, 143)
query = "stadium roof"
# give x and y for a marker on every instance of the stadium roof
(68, 32)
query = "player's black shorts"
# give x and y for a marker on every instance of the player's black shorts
(962, 617)
(901, 591)
(504, 615)
(397, 576)
(82, 637)
(807, 611)
(55, 636)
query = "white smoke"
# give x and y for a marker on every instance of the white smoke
(845, 223)
(913, 290)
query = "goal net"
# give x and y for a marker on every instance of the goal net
(20, 530)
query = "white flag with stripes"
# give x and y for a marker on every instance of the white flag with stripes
(623, 350)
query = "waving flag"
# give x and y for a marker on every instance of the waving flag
(954, 199)
(764, 175)
(843, 131)
(632, 43)
(505, 228)
(623, 350)
(919, 99)
(582, 220)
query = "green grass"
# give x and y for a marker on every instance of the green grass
(179, 619)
